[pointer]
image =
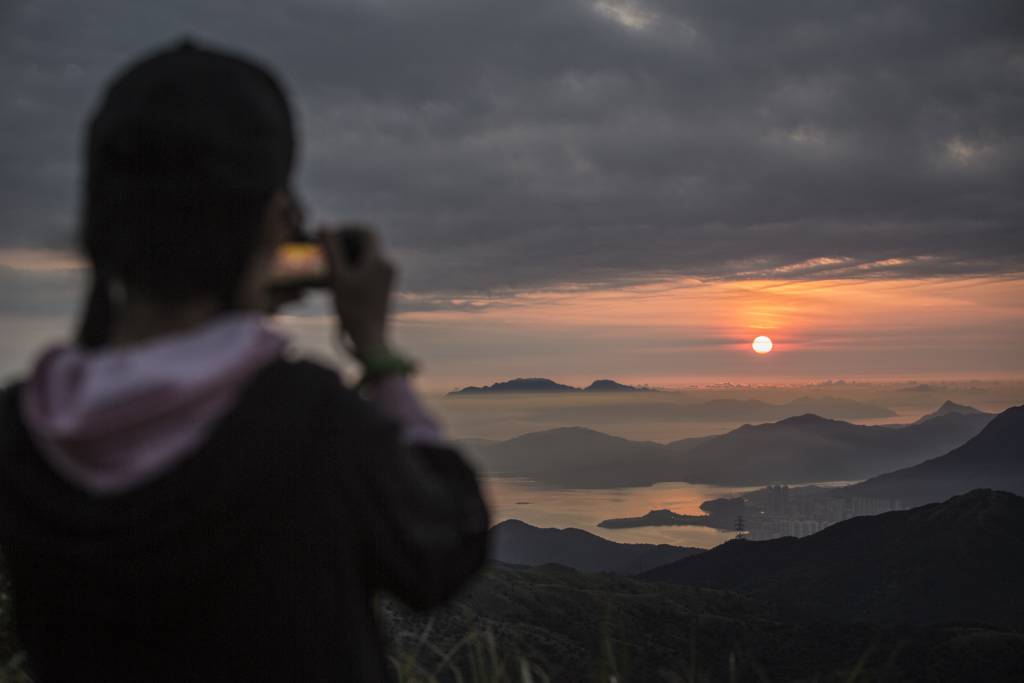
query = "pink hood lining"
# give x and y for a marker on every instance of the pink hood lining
(111, 419)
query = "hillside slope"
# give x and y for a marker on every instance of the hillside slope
(957, 561)
(577, 457)
(579, 628)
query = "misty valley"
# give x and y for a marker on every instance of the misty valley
(791, 477)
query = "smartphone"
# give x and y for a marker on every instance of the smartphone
(300, 264)
(304, 264)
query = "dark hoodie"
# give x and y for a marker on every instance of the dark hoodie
(255, 558)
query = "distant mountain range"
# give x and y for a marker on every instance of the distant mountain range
(994, 459)
(516, 542)
(753, 410)
(809, 448)
(806, 448)
(718, 410)
(576, 457)
(957, 561)
(541, 385)
(950, 408)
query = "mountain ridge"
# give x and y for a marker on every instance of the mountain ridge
(809, 448)
(949, 407)
(993, 458)
(801, 449)
(516, 542)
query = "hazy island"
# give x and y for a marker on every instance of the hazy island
(543, 385)
(656, 518)
(721, 513)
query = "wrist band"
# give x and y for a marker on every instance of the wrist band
(383, 362)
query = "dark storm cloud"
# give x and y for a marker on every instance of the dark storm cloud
(515, 144)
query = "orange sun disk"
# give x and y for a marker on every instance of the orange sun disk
(762, 345)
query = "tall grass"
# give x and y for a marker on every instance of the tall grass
(477, 656)
(480, 657)
(12, 671)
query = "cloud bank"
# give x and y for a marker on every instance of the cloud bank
(521, 145)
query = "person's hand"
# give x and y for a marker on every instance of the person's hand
(362, 288)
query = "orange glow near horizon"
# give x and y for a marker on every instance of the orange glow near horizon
(825, 308)
(667, 333)
(872, 328)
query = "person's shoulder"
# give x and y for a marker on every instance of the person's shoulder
(282, 408)
(286, 370)
(301, 380)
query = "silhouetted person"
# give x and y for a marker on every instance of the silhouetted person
(179, 501)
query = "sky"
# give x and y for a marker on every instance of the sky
(596, 188)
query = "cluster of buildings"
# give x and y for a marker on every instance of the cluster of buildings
(783, 514)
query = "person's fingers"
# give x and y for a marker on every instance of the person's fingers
(364, 242)
(332, 248)
(371, 245)
(353, 254)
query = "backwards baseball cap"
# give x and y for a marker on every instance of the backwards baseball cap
(191, 114)
(183, 153)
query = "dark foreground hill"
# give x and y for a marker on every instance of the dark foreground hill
(579, 627)
(953, 562)
(992, 459)
(516, 542)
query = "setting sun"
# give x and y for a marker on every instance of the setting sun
(762, 344)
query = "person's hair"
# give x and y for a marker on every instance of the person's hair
(183, 154)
